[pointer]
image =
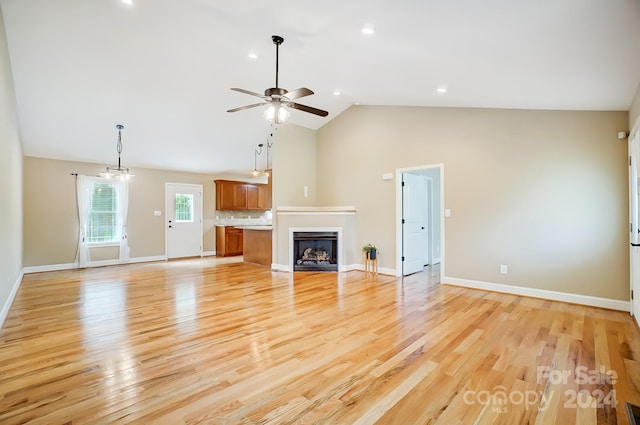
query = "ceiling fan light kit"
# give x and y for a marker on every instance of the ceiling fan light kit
(276, 113)
(279, 99)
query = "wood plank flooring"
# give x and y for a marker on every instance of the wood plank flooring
(199, 341)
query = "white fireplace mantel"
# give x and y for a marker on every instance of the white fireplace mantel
(339, 210)
(339, 219)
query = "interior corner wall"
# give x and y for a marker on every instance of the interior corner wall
(51, 218)
(544, 192)
(294, 166)
(10, 184)
(293, 178)
(634, 111)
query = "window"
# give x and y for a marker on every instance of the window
(102, 221)
(184, 207)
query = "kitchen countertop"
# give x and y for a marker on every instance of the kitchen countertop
(259, 227)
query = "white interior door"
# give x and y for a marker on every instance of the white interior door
(634, 225)
(427, 218)
(183, 220)
(413, 220)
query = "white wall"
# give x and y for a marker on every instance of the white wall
(10, 184)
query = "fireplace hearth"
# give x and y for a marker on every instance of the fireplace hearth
(315, 251)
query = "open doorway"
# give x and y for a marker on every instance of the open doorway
(420, 218)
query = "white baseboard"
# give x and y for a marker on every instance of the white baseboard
(381, 270)
(147, 259)
(12, 295)
(280, 267)
(345, 268)
(539, 293)
(102, 263)
(208, 253)
(49, 268)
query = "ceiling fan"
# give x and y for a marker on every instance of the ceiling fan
(278, 98)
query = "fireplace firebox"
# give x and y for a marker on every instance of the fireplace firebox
(315, 251)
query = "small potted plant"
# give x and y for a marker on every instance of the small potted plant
(370, 251)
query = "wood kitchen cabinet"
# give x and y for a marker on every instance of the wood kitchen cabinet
(258, 243)
(241, 196)
(258, 197)
(231, 195)
(228, 241)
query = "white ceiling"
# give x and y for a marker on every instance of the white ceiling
(163, 68)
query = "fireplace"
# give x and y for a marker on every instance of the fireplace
(315, 251)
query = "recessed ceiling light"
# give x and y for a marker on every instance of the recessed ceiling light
(368, 29)
(253, 55)
(336, 93)
(442, 89)
(129, 2)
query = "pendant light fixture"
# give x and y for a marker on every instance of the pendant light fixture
(119, 172)
(256, 153)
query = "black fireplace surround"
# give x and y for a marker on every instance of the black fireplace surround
(315, 251)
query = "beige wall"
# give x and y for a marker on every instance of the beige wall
(544, 192)
(11, 182)
(294, 166)
(51, 220)
(634, 112)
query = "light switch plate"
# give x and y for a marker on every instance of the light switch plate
(447, 212)
(157, 213)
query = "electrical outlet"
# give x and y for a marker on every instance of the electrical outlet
(503, 269)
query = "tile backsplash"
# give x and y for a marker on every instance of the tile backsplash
(236, 218)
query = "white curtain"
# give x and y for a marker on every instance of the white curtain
(123, 212)
(85, 191)
(84, 187)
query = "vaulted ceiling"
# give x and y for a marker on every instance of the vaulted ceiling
(164, 68)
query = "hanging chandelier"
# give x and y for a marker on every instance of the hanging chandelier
(119, 172)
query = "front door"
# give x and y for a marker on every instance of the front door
(183, 220)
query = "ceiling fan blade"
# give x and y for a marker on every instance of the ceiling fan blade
(248, 92)
(309, 109)
(241, 108)
(298, 93)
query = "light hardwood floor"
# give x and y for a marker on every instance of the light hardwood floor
(198, 341)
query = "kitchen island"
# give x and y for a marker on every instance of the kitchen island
(256, 241)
